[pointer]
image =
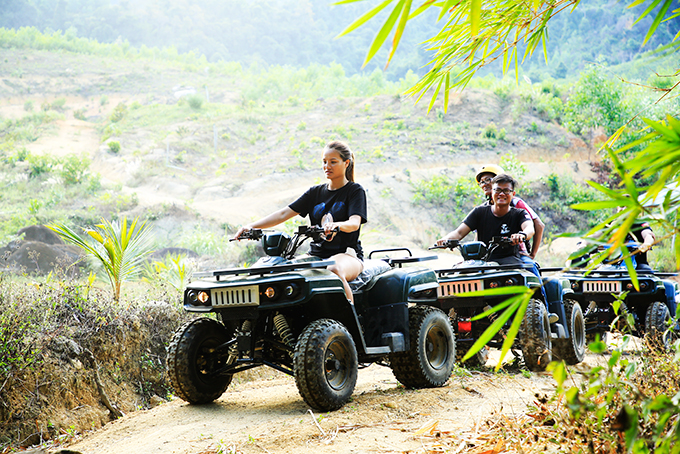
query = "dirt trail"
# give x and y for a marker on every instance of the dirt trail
(269, 416)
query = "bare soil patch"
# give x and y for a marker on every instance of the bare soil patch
(269, 416)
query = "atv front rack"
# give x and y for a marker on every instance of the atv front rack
(482, 268)
(265, 269)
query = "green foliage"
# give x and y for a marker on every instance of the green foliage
(490, 131)
(454, 198)
(119, 112)
(436, 191)
(595, 101)
(627, 405)
(56, 325)
(118, 247)
(39, 165)
(195, 101)
(564, 193)
(473, 25)
(114, 146)
(175, 270)
(29, 106)
(28, 128)
(513, 166)
(74, 169)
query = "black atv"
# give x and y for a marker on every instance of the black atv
(559, 332)
(595, 290)
(293, 315)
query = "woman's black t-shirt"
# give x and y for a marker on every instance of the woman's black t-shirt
(341, 204)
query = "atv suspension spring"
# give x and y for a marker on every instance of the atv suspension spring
(284, 330)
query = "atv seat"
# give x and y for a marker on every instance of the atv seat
(372, 267)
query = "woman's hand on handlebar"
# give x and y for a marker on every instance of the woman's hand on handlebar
(240, 232)
(330, 229)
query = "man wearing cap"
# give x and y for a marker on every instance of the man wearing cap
(484, 177)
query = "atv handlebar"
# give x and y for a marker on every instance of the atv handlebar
(252, 234)
(448, 244)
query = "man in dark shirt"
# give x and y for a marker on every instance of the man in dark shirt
(499, 219)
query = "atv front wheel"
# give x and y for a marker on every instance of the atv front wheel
(572, 350)
(656, 326)
(432, 354)
(535, 336)
(325, 365)
(193, 358)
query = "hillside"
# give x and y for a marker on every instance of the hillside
(242, 156)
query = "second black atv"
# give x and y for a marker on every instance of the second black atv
(553, 329)
(293, 315)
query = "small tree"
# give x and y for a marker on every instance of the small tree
(119, 247)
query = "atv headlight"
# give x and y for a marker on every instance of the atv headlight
(574, 285)
(494, 284)
(291, 290)
(511, 281)
(203, 296)
(270, 292)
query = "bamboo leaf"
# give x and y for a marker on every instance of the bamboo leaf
(400, 29)
(475, 14)
(363, 19)
(381, 36)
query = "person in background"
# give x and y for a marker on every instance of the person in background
(641, 232)
(345, 202)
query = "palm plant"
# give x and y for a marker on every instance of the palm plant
(119, 247)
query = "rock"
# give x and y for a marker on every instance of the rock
(40, 233)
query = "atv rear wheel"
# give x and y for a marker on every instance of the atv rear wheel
(432, 354)
(572, 350)
(656, 326)
(193, 358)
(535, 336)
(325, 365)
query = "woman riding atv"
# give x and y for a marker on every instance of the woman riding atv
(338, 206)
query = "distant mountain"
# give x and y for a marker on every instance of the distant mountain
(301, 32)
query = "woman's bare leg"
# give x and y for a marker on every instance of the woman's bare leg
(347, 267)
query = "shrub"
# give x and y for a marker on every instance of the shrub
(114, 146)
(74, 169)
(513, 166)
(39, 165)
(195, 101)
(490, 131)
(118, 113)
(79, 114)
(28, 106)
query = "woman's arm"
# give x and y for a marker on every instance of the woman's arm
(271, 220)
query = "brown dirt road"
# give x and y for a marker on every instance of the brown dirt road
(268, 416)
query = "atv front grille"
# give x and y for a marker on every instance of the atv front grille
(235, 296)
(448, 289)
(601, 286)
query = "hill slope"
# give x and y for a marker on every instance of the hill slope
(240, 156)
